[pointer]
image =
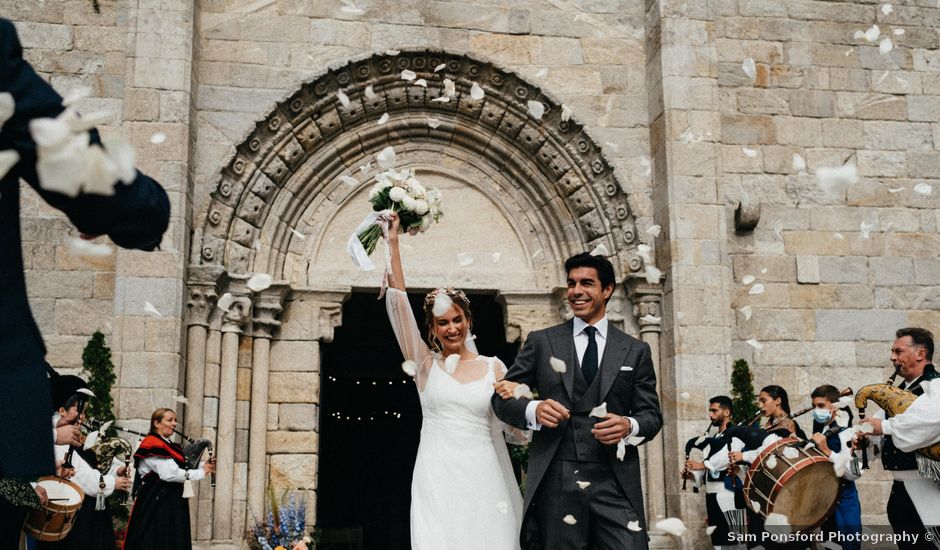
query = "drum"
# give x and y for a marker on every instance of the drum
(54, 521)
(799, 483)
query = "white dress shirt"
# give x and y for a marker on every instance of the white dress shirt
(168, 470)
(580, 345)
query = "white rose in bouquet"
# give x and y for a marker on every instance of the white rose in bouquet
(415, 188)
(421, 207)
(397, 194)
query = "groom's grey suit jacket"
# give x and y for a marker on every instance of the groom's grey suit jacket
(625, 381)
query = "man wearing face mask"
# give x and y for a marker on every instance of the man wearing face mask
(724, 496)
(833, 439)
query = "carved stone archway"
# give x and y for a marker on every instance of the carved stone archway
(284, 182)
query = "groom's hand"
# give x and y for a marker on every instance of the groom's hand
(612, 429)
(550, 413)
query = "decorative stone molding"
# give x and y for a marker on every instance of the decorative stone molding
(267, 307)
(238, 315)
(203, 289)
(525, 312)
(575, 199)
(647, 303)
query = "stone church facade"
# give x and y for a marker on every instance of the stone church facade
(666, 129)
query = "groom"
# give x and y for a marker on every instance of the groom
(579, 495)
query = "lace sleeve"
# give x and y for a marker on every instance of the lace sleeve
(412, 345)
(513, 436)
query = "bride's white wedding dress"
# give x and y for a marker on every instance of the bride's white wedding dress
(463, 495)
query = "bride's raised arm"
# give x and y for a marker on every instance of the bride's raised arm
(402, 318)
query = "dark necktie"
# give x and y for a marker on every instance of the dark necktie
(589, 361)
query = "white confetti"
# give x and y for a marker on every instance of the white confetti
(259, 282)
(464, 259)
(8, 160)
(896, 189)
(440, 67)
(7, 107)
(536, 109)
(522, 390)
(569, 519)
(392, 52)
(755, 506)
(583, 484)
(408, 75)
(750, 153)
(838, 237)
(225, 301)
(421, 82)
(442, 304)
(873, 33)
(386, 158)
(833, 180)
(885, 46)
(557, 365)
(343, 98)
(476, 92)
(81, 247)
(149, 309)
(754, 344)
(566, 113)
(763, 271)
(771, 461)
(799, 163)
(654, 230)
(441, 99)
(541, 72)
(600, 250)
(865, 228)
(450, 363)
(352, 10)
(497, 256)
(370, 92)
(298, 234)
(757, 289)
(643, 251)
(749, 68)
(653, 274)
(791, 453)
(433, 122)
(685, 396)
(634, 526)
(450, 89)
(842, 418)
(923, 188)
(673, 526)
(384, 118)
(746, 311)
(887, 9)
(599, 411)
(410, 368)
(845, 402)
(502, 507)
(747, 279)
(899, 32)
(157, 138)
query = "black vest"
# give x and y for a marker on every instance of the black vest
(893, 458)
(577, 442)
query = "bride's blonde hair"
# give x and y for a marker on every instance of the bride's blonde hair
(459, 299)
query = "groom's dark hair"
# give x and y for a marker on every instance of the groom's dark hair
(605, 269)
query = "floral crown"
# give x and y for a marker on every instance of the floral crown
(454, 293)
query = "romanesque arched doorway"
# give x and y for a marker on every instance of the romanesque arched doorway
(527, 192)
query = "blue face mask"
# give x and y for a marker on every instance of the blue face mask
(822, 415)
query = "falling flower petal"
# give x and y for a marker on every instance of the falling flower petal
(710, 529)
(259, 282)
(442, 304)
(352, 10)
(440, 67)
(653, 274)
(845, 402)
(751, 153)
(673, 526)
(885, 46)
(502, 507)
(842, 418)
(370, 92)
(392, 52)
(747, 279)
(755, 506)
(421, 82)
(7, 107)
(746, 311)
(225, 301)
(410, 368)
(600, 250)
(450, 89)
(569, 519)
(343, 98)
(565, 113)
(899, 32)
(621, 450)
(838, 237)
(476, 92)
(749, 68)
(298, 234)
(865, 228)
(497, 256)
(799, 163)
(384, 118)
(757, 289)
(754, 344)
(772, 461)
(685, 396)
(583, 484)
(541, 72)
(522, 390)
(859, 35)
(90, 440)
(386, 158)
(599, 411)
(791, 453)
(654, 230)
(8, 160)
(148, 308)
(157, 138)
(433, 122)
(643, 251)
(450, 363)
(441, 99)
(408, 75)
(464, 259)
(886, 8)
(873, 33)
(557, 365)
(88, 249)
(896, 189)
(536, 109)
(923, 188)
(634, 526)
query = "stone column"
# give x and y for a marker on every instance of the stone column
(233, 325)
(267, 308)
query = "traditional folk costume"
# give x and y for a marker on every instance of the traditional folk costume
(724, 496)
(913, 500)
(847, 517)
(160, 517)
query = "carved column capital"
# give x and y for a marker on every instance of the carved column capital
(238, 301)
(329, 316)
(267, 308)
(527, 311)
(203, 292)
(647, 303)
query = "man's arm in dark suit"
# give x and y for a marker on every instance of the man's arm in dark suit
(136, 216)
(512, 411)
(645, 406)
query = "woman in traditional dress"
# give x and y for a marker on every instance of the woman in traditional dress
(160, 517)
(464, 495)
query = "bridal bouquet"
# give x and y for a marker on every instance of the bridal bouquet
(401, 192)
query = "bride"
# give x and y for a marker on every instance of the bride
(463, 494)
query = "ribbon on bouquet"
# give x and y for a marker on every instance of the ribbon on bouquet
(358, 253)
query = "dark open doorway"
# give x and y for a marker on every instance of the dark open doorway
(370, 420)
